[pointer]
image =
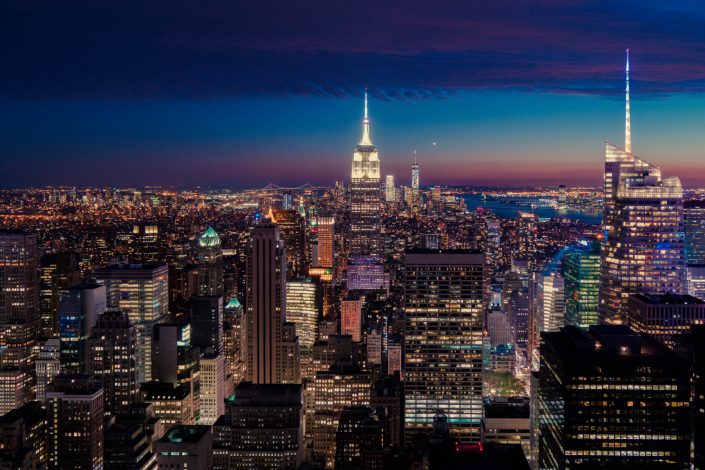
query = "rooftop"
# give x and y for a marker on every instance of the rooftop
(210, 238)
(185, 433)
(668, 299)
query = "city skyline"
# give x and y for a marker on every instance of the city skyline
(232, 108)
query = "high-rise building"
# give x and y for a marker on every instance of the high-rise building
(142, 292)
(443, 295)
(506, 422)
(79, 310)
(75, 423)
(697, 404)
(390, 191)
(58, 272)
(145, 244)
(129, 444)
(176, 362)
(19, 297)
(262, 428)
(292, 230)
(173, 403)
(602, 401)
(290, 355)
(15, 383)
(547, 310)
(325, 230)
(365, 197)
(351, 318)
(186, 447)
(694, 221)
(696, 280)
(359, 440)
(518, 311)
(664, 317)
(302, 307)
(207, 323)
(581, 271)
(48, 366)
(266, 305)
(23, 437)
(210, 264)
(333, 390)
(113, 362)
(643, 250)
(415, 174)
(212, 393)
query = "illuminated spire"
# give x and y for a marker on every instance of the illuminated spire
(366, 126)
(627, 123)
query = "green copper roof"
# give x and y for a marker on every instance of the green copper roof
(233, 303)
(209, 238)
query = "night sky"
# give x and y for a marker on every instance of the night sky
(233, 93)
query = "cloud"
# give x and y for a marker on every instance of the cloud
(411, 49)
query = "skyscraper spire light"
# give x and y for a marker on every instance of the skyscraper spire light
(627, 123)
(366, 140)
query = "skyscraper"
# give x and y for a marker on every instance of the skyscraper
(547, 310)
(415, 174)
(326, 242)
(113, 346)
(611, 398)
(365, 197)
(207, 323)
(581, 270)
(212, 394)
(665, 317)
(79, 310)
(643, 250)
(694, 217)
(390, 191)
(48, 366)
(302, 307)
(75, 423)
(210, 264)
(292, 231)
(262, 428)
(19, 296)
(443, 294)
(59, 271)
(351, 318)
(266, 305)
(142, 292)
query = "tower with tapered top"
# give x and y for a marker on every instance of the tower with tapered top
(365, 198)
(643, 249)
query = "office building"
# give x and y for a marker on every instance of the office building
(394, 362)
(390, 191)
(302, 309)
(443, 341)
(186, 447)
(207, 323)
(359, 440)
(129, 445)
(665, 317)
(602, 401)
(694, 222)
(415, 174)
(48, 366)
(23, 439)
(506, 422)
(173, 403)
(113, 362)
(696, 280)
(266, 304)
(145, 244)
(351, 318)
(58, 272)
(212, 394)
(292, 231)
(333, 390)
(15, 383)
(290, 355)
(75, 423)
(19, 297)
(518, 309)
(644, 246)
(79, 310)
(547, 311)
(499, 329)
(697, 404)
(581, 271)
(365, 197)
(262, 428)
(142, 292)
(210, 264)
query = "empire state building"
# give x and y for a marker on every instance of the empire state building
(365, 198)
